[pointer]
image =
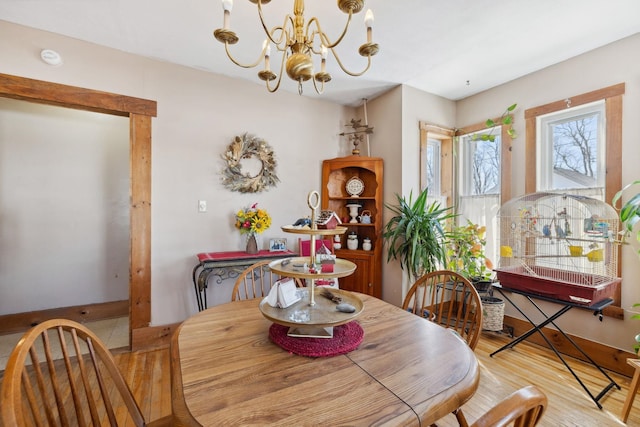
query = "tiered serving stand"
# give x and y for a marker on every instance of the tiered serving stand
(314, 315)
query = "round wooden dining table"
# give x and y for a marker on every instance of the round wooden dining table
(407, 371)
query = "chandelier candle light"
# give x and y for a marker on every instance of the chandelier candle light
(297, 40)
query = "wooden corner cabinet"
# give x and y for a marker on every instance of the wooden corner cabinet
(356, 180)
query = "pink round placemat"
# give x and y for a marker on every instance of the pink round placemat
(346, 338)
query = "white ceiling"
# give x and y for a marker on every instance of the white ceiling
(434, 45)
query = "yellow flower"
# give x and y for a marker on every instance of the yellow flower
(252, 220)
(260, 226)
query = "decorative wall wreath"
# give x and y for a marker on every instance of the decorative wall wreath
(245, 147)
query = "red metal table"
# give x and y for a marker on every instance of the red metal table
(226, 265)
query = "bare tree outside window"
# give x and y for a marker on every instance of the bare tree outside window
(575, 146)
(486, 167)
(480, 165)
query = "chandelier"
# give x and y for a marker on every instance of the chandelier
(297, 41)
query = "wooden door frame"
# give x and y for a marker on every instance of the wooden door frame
(140, 112)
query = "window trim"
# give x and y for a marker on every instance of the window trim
(445, 136)
(612, 95)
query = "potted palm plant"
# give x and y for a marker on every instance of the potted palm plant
(416, 234)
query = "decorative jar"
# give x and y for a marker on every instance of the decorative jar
(352, 241)
(366, 244)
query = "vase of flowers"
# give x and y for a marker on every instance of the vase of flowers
(252, 221)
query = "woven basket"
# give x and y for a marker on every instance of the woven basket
(493, 313)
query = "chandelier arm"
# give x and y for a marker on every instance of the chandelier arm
(351, 73)
(269, 33)
(283, 37)
(260, 57)
(323, 35)
(275, 88)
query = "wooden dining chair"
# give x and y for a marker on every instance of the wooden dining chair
(449, 299)
(523, 408)
(61, 373)
(255, 281)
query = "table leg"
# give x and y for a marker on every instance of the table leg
(195, 285)
(538, 328)
(200, 285)
(577, 347)
(203, 279)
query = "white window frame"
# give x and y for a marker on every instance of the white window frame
(467, 148)
(544, 148)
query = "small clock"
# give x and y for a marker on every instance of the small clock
(355, 186)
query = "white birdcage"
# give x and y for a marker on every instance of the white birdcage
(559, 245)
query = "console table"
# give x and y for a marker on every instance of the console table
(537, 327)
(226, 265)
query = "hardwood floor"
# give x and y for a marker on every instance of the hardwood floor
(148, 375)
(569, 404)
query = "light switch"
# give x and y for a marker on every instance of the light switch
(202, 205)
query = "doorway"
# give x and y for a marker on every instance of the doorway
(139, 112)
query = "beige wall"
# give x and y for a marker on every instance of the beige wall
(64, 207)
(396, 116)
(612, 64)
(198, 116)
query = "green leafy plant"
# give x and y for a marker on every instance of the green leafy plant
(465, 251)
(630, 211)
(629, 216)
(506, 119)
(416, 234)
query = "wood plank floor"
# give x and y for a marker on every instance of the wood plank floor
(148, 374)
(569, 404)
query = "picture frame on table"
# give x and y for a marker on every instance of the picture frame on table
(278, 245)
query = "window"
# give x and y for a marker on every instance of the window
(481, 176)
(432, 167)
(475, 177)
(479, 165)
(436, 167)
(600, 113)
(572, 151)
